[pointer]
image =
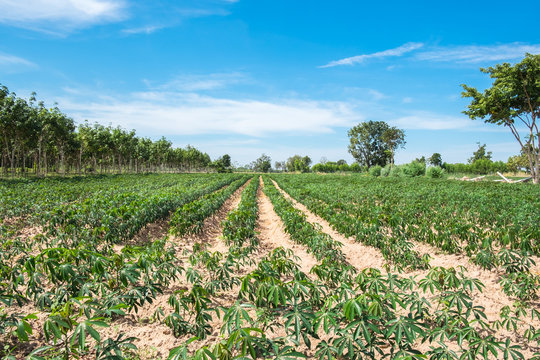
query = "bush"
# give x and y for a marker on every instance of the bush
(435, 172)
(415, 168)
(385, 171)
(396, 172)
(375, 171)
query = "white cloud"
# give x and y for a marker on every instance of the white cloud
(12, 60)
(423, 120)
(377, 95)
(174, 113)
(399, 51)
(60, 15)
(193, 83)
(407, 100)
(476, 54)
(149, 29)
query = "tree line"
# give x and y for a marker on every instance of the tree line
(41, 141)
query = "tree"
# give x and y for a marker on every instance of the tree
(518, 163)
(393, 138)
(262, 164)
(480, 154)
(370, 146)
(513, 101)
(223, 164)
(298, 163)
(435, 159)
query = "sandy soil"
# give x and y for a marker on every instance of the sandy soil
(155, 339)
(272, 232)
(357, 254)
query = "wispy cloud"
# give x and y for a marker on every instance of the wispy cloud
(12, 62)
(149, 29)
(425, 120)
(476, 54)
(407, 100)
(174, 113)
(399, 51)
(457, 54)
(60, 15)
(194, 83)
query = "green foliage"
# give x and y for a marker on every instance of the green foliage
(435, 159)
(262, 164)
(413, 169)
(434, 172)
(374, 142)
(512, 100)
(375, 171)
(298, 163)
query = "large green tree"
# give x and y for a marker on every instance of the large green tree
(298, 163)
(435, 159)
(262, 164)
(393, 138)
(512, 101)
(374, 142)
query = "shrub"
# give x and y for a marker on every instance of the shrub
(415, 168)
(385, 171)
(435, 172)
(396, 172)
(375, 170)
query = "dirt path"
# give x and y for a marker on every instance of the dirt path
(357, 254)
(272, 232)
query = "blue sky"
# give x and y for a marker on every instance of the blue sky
(281, 77)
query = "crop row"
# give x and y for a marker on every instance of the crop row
(365, 227)
(85, 285)
(189, 218)
(351, 315)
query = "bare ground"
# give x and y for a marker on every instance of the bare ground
(272, 232)
(357, 254)
(155, 339)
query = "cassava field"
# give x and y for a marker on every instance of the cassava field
(230, 266)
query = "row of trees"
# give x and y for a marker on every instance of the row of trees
(40, 140)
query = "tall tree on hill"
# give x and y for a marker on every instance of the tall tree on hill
(513, 101)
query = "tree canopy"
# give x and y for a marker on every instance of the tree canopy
(512, 101)
(375, 142)
(435, 159)
(298, 163)
(262, 164)
(41, 140)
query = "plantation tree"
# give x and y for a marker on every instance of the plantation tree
(513, 101)
(435, 159)
(393, 138)
(374, 142)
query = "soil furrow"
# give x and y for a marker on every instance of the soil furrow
(358, 255)
(272, 232)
